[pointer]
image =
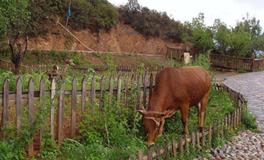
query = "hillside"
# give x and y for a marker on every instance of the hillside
(121, 38)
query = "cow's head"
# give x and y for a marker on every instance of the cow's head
(153, 121)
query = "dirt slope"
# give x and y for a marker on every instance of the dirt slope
(122, 38)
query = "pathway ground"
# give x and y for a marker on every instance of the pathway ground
(247, 145)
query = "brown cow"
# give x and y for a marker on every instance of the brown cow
(176, 88)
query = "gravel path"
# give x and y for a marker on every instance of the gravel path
(251, 85)
(247, 145)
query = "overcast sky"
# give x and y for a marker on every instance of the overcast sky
(229, 11)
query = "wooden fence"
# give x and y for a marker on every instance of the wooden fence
(235, 63)
(63, 121)
(197, 140)
(89, 93)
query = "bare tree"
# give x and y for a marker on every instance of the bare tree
(18, 49)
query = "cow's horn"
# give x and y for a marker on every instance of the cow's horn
(142, 111)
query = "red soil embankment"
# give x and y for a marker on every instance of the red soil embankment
(122, 38)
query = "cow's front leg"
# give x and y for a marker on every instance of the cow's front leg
(184, 117)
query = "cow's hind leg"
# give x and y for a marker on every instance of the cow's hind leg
(201, 111)
(184, 117)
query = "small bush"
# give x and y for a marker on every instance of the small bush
(202, 60)
(249, 121)
(152, 23)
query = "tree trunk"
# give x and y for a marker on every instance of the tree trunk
(18, 51)
(17, 67)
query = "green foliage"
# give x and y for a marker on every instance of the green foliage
(201, 36)
(141, 68)
(115, 135)
(3, 26)
(95, 15)
(240, 44)
(14, 17)
(109, 62)
(25, 78)
(151, 22)
(49, 150)
(242, 40)
(13, 145)
(249, 25)
(249, 120)
(202, 60)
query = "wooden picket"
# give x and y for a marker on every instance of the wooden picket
(60, 115)
(101, 102)
(18, 103)
(5, 103)
(41, 102)
(73, 107)
(52, 107)
(110, 90)
(93, 88)
(84, 94)
(119, 85)
(30, 112)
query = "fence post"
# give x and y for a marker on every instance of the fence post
(93, 88)
(159, 151)
(174, 147)
(210, 136)
(84, 93)
(193, 140)
(181, 145)
(73, 107)
(52, 109)
(60, 115)
(18, 103)
(222, 128)
(110, 89)
(186, 143)
(5, 103)
(137, 105)
(41, 101)
(198, 140)
(126, 92)
(101, 101)
(140, 155)
(203, 138)
(119, 85)
(226, 121)
(30, 113)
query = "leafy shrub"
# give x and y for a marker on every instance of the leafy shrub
(202, 60)
(152, 23)
(49, 150)
(249, 120)
(242, 40)
(117, 134)
(200, 36)
(95, 15)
